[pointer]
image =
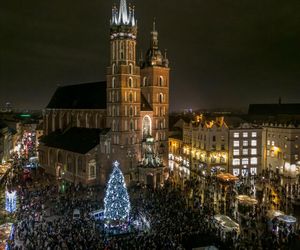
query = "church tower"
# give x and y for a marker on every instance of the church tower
(155, 88)
(123, 88)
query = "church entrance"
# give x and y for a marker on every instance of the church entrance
(58, 171)
(150, 180)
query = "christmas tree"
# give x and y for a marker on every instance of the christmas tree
(116, 201)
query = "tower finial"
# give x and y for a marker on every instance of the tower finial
(166, 60)
(154, 23)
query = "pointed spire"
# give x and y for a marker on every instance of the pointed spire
(154, 36)
(123, 15)
(166, 60)
(141, 60)
(132, 21)
(113, 14)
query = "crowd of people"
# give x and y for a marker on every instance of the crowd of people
(179, 217)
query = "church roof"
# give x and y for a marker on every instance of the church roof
(274, 109)
(78, 140)
(145, 106)
(80, 96)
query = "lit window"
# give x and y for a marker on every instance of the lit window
(236, 171)
(245, 143)
(253, 151)
(253, 171)
(296, 145)
(130, 82)
(245, 134)
(235, 162)
(236, 152)
(222, 159)
(236, 143)
(254, 134)
(253, 143)
(268, 152)
(245, 161)
(273, 143)
(236, 135)
(161, 98)
(253, 160)
(92, 169)
(245, 151)
(268, 142)
(285, 146)
(296, 157)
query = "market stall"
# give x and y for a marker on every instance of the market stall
(226, 177)
(271, 214)
(245, 203)
(226, 224)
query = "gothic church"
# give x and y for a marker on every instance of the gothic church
(88, 126)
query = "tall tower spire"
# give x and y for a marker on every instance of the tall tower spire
(155, 89)
(154, 36)
(123, 85)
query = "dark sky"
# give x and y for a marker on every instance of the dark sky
(223, 53)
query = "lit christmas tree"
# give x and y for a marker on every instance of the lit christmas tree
(116, 201)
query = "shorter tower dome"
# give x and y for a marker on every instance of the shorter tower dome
(154, 56)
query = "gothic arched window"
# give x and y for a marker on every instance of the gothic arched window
(113, 82)
(161, 81)
(130, 82)
(146, 126)
(130, 97)
(161, 98)
(144, 81)
(131, 111)
(130, 69)
(131, 125)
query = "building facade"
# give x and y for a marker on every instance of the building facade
(281, 148)
(206, 145)
(132, 105)
(245, 150)
(212, 146)
(6, 144)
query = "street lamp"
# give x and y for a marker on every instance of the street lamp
(131, 154)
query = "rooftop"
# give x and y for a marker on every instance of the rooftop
(78, 140)
(80, 96)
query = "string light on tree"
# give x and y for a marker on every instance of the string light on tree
(10, 201)
(116, 201)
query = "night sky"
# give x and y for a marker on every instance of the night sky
(223, 53)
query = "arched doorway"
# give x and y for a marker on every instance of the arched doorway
(146, 126)
(59, 171)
